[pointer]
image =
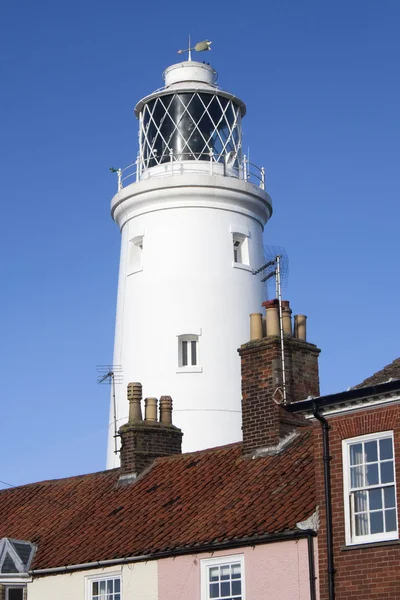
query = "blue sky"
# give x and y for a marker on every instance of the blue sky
(321, 85)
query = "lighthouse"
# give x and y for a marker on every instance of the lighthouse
(191, 211)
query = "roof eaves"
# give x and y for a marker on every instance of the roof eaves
(353, 398)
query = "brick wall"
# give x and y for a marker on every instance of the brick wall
(143, 441)
(264, 422)
(368, 571)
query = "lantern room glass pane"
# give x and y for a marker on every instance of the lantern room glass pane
(188, 126)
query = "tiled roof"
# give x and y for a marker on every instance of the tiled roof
(180, 502)
(391, 371)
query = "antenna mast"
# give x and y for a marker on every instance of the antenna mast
(277, 266)
(112, 375)
(279, 296)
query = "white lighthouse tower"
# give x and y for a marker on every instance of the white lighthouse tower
(191, 211)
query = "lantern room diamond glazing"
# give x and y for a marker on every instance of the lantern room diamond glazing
(190, 126)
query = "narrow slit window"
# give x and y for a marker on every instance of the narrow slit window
(237, 251)
(135, 254)
(184, 353)
(188, 350)
(240, 249)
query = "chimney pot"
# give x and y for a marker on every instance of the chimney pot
(256, 326)
(166, 410)
(272, 317)
(286, 318)
(150, 405)
(134, 399)
(300, 327)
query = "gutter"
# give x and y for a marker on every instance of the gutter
(390, 387)
(328, 499)
(212, 547)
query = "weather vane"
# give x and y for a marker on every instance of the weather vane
(199, 47)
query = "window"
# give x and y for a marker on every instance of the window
(106, 588)
(240, 249)
(222, 578)
(135, 254)
(188, 350)
(14, 593)
(369, 488)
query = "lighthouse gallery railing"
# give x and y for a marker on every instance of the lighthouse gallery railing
(138, 170)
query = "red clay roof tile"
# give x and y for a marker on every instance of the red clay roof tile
(182, 501)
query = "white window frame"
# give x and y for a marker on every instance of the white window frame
(241, 242)
(351, 538)
(102, 577)
(19, 587)
(219, 561)
(135, 254)
(188, 338)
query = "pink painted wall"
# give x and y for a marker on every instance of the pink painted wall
(276, 571)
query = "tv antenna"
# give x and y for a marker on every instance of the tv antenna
(111, 374)
(277, 265)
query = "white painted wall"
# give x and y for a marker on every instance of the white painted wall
(188, 284)
(139, 580)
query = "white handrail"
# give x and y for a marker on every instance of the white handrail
(245, 170)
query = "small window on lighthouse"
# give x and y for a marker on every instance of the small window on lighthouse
(240, 249)
(188, 352)
(135, 255)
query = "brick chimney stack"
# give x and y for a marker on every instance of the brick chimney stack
(264, 420)
(144, 440)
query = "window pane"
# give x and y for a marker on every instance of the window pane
(357, 479)
(390, 520)
(371, 474)
(110, 586)
(356, 454)
(225, 571)
(236, 588)
(194, 352)
(376, 522)
(371, 451)
(387, 475)
(389, 497)
(95, 588)
(361, 524)
(214, 573)
(102, 586)
(360, 501)
(214, 590)
(184, 354)
(117, 585)
(15, 593)
(236, 571)
(386, 448)
(225, 589)
(375, 499)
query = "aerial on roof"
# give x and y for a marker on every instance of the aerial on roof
(180, 502)
(391, 371)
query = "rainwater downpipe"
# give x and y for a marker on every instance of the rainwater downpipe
(311, 566)
(328, 499)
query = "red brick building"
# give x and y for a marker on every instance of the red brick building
(359, 556)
